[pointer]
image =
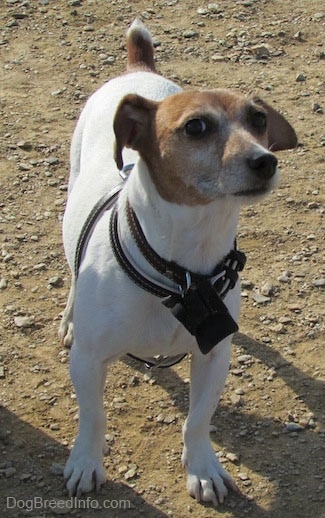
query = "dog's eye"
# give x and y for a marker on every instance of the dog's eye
(259, 120)
(195, 128)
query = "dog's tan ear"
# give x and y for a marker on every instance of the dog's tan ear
(281, 134)
(133, 124)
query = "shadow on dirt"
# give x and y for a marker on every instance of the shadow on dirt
(29, 488)
(264, 448)
(29, 478)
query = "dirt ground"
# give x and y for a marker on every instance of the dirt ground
(269, 427)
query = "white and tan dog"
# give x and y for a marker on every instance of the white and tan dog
(198, 155)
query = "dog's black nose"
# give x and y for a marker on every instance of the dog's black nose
(263, 165)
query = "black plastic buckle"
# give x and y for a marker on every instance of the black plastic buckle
(203, 314)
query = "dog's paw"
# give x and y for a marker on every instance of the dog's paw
(83, 474)
(207, 480)
(66, 333)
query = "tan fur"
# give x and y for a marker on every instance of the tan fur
(175, 161)
(139, 48)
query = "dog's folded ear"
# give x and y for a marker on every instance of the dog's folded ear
(281, 134)
(133, 125)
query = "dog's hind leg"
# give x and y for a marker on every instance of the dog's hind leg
(84, 470)
(207, 480)
(66, 325)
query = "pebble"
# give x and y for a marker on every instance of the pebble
(3, 283)
(261, 51)
(24, 166)
(214, 8)
(190, 34)
(233, 457)
(243, 476)
(132, 472)
(23, 144)
(294, 427)
(260, 299)
(52, 160)
(300, 78)
(319, 283)
(267, 289)
(317, 108)
(24, 322)
(55, 281)
(278, 328)
(245, 358)
(236, 400)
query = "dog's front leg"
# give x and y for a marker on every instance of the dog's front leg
(84, 470)
(207, 480)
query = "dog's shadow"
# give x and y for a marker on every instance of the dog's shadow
(268, 430)
(30, 487)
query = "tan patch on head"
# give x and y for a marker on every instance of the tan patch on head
(185, 163)
(197, 145)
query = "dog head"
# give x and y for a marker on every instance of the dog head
(201, 146)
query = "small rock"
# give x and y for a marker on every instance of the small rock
(55, 281)
(24, 322)
(278, 328)
(131, 473)
(319, 283)
(285, 320)
(313, 205)
(24, 166)
(243, 476)
(295, 308)
(170, 419)
(52, 160)
(190, 34)
(202, 11)
(3, 283)
(40, 266)
(316, 108)
(260, 299)
(261, 51)
(236, 400)
(218, 58)
(214, 8)
(233, 457)
(26, 146)
(298, 36)
(301, 78)
(294, 427)
(245, 358)
(267, 289)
